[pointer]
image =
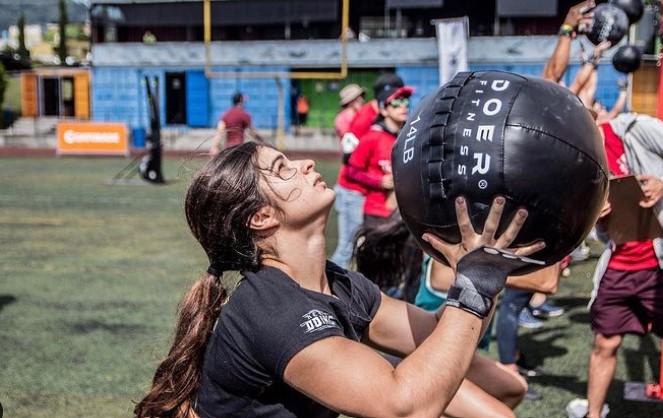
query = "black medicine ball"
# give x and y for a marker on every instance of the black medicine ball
(627, 59)
(495, 133)
(633, 8)
(609, 23)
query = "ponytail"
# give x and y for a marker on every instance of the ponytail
(177, 378)
(221, 199)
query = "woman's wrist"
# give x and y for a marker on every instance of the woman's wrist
(566, 30)
(594, 61)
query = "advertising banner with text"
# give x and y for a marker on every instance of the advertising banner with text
(91, 138)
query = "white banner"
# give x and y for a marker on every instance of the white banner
(452, 36)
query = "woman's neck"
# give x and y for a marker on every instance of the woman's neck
(302, 257)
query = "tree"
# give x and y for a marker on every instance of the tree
(3, 86)
(22, 50)
(62, 27)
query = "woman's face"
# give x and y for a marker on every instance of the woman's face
(297, 190)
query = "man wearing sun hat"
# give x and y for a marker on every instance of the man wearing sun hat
(352, 99)
(349, 203)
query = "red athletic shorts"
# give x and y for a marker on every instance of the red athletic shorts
(629, 302)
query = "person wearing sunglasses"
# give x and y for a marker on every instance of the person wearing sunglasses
(370, 163)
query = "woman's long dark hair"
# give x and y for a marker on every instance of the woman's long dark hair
(222, 197)
(389, 256)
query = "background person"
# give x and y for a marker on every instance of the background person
(349, 204)
(369, 112)
(577, 16)
(602, 113)
(232, 125)
(302, 107)
(628, 291)
(351, 100)
(351, 193)
(370, 163)
(586, 80)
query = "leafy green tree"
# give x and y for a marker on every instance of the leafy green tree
(62, 26)
(22, 50)
(3, 87)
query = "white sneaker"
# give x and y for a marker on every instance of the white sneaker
(581, 253)
(577, 408)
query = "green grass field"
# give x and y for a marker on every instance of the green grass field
(90, 276)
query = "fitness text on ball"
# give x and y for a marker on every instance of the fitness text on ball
(489, 107)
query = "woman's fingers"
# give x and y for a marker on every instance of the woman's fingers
(464, 224)
(493, 221)
(443, 247)
(505, 240)
(529, 249)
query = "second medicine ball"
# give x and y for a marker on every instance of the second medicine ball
(633, 9)
(627, 59)
(609, 23)
(495, 133)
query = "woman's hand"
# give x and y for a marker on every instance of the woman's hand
(652, 188)
(599, 50)
(480, 260)
(470, 240)
(578, 13)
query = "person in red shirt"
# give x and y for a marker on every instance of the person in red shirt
(629, 295)
(352, 99)
(370, 163)
(232, 124)
(350, 195)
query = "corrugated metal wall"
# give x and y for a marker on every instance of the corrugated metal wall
(118, 94)
(197, 99)
(261, 95)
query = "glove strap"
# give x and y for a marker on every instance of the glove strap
(469, 300)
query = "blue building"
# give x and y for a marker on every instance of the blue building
(163, 39)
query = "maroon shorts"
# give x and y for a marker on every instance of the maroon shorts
(629, 302)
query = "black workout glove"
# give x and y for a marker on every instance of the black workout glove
(480, 276)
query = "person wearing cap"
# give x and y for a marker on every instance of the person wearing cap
(370, 162)
(351, 194)
(349, 204)
(366, 116)
(352, 99)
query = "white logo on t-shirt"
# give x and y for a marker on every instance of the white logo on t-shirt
(316, 320)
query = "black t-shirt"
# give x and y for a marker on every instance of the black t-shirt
(268, 319)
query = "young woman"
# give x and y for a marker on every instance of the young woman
(294, 338)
